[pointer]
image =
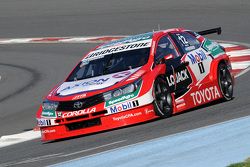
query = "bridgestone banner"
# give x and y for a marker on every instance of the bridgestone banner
(119, 48)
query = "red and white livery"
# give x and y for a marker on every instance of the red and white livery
(136, 79)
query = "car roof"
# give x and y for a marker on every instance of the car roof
(145, 39)
(138, 37)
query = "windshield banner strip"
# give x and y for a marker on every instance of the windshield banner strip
(116, 49)
(130, 39)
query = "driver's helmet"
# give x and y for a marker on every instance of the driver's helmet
(163, 49)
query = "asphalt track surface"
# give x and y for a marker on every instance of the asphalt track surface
(28, 72)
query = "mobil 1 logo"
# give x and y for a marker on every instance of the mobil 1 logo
(123, 107)
(198, 57)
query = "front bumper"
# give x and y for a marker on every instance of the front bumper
(129, 117)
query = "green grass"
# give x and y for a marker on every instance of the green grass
(246, 163)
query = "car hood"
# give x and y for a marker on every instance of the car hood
(94, 83)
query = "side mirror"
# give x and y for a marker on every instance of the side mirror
(169, 56)
(164, 59)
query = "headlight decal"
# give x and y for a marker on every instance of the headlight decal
(137, 86)
(49, 109)
(145, 99)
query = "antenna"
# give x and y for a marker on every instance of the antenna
(159, 27)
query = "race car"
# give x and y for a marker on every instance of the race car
(137, 79)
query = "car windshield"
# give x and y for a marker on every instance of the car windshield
(111, 63)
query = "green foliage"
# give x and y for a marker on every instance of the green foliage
(246, 163)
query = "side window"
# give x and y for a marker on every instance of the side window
(165, 47)
(186, 41)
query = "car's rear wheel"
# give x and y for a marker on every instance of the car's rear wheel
(225, 82)
(163, 104)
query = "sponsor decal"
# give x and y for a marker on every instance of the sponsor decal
(79, 96)
(213, 47)
(99, 53)
(197, 56)
(200, 63)
(126, 116)
(180, 76)
(90, 84)
(180, 103)
(121, 74)
(130, 39)
(87, 83)
(123, 107)
(190, 48)
(147, 111)
(95, 82)
(205, 95)
(78, 113)
(43, 122)
(136, 75)
(123, 98)
(49, 113)
(48, 131)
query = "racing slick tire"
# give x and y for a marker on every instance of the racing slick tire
(225, 81)
(163, 104)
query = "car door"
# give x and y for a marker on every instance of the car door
(177, 75)
(198, 59)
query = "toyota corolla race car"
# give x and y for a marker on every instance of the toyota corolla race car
(136, 79)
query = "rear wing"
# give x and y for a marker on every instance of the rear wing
(211, 31)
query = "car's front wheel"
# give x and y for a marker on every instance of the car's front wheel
(225, 82)
(163, 104)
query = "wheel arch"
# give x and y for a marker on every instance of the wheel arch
(214, 67)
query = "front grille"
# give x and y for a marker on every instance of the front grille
(83, 124)
(99, 113)
(76, 118)
(87, 102)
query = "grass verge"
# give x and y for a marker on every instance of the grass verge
(246, 163)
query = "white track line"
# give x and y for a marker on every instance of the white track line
(239, 53)
(227, 45)
(20, 40)
(18, 138)
(30, 160)
(240, 65)
(94, 148)
(57, 155)
(243, 72)
(87, 39)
